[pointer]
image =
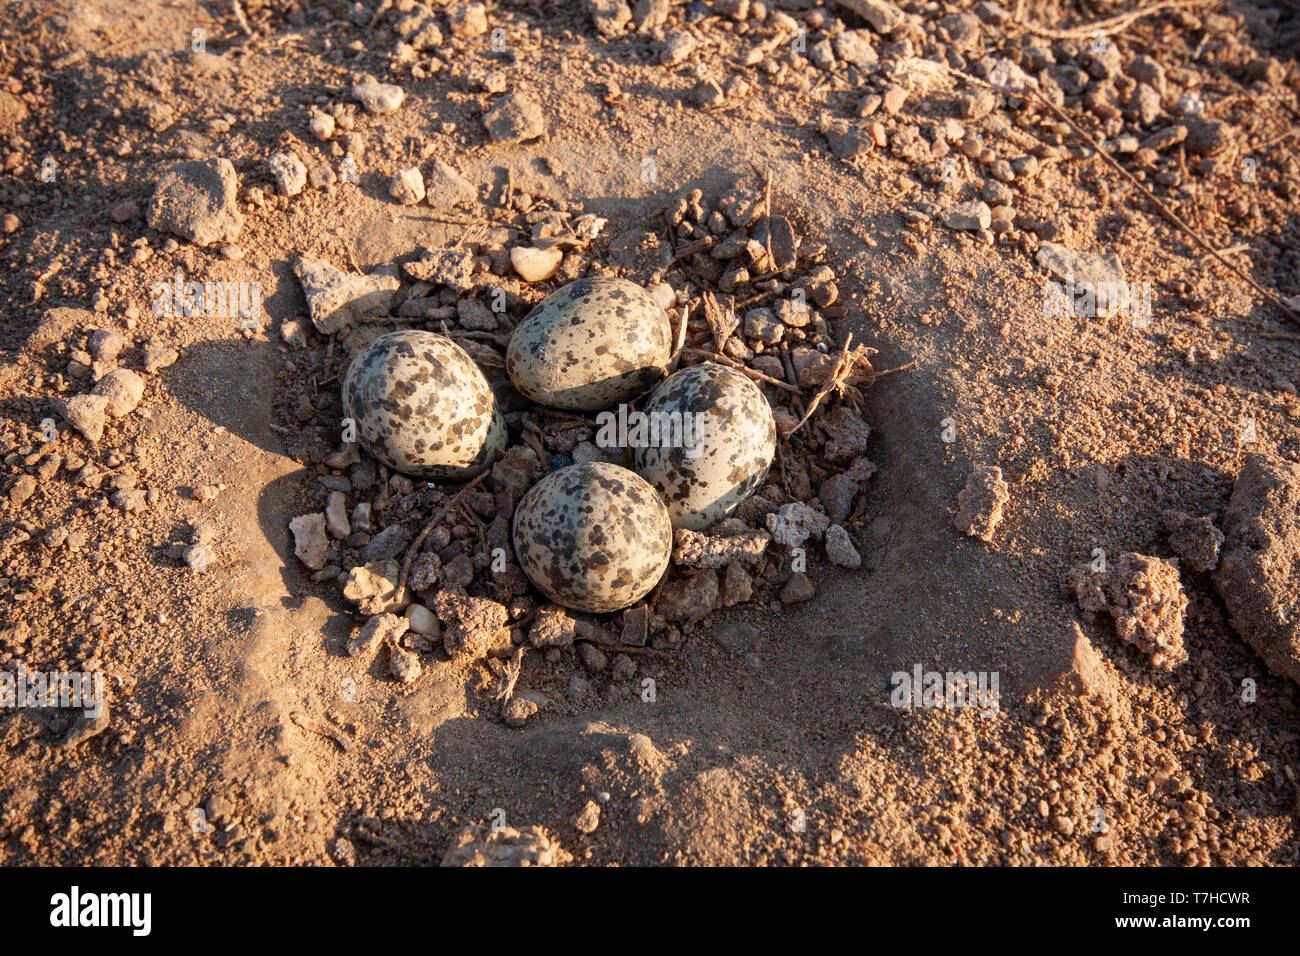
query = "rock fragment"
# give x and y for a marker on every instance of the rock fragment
(840, 549)
(795, 523)
(309, 541)
(690, 598)
(379, 97)
(693, 549)
(516, 118)
(379, 629)
(338, 299)
(122, 390)
(407, 187)
(196, 201)
(86, 414)
(289, 173)
(536, 265)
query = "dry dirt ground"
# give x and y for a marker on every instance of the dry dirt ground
(239, 732)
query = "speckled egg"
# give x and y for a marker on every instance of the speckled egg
(593, 537)
(589, 345)
(722, 458)
(422, 407)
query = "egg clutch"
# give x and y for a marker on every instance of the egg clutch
(596, 536)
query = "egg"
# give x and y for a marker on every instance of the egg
(727, 440)
(422, 407)
(593, 537)
(589, 345)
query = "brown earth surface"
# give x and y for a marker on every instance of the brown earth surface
(241, 732)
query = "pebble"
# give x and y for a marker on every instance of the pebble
(797, 589)
(104, 345)
(123, 212)
(968, 215)
(22, 489)
(516, 118)
(199, 557)
(377, 630)
(310, 543)
(289, 173)
(840, 549)
(423, 621)
(403, 664)
(379, 97)
(321, 126)
(336, 515)
(407, 187)
(196, 201)
(588, 818)
(158, 358)
(536, 265)
(122, 390)
(446, 188)
(337, 299)
(86, 414)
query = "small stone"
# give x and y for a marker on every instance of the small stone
(518, 710)
(795, 523)
(309, 541)
(389, 543)
(737, 586)
(798, 589)
(130, 500)
(471, 626)
(321, 125)
(968, 216)
(22, 489)
(840, 549)
(196, 201)
(407, 187)
(690, 598)
(536, 265)
(855, 48)
(373, 587)
(122, 390)
(379, 97)
(338, 299)
(375, 632)
(467, 20)
(445, 188)
(403, 664)
(336, 515)
(837, 493)
(289, 173)
(553, 626)
(516, 118)
(156, 359)
(593, 658)
(86, 413)
(423, 621)
(763, 325)
(104, 345)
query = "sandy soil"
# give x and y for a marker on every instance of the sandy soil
(241, 732)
